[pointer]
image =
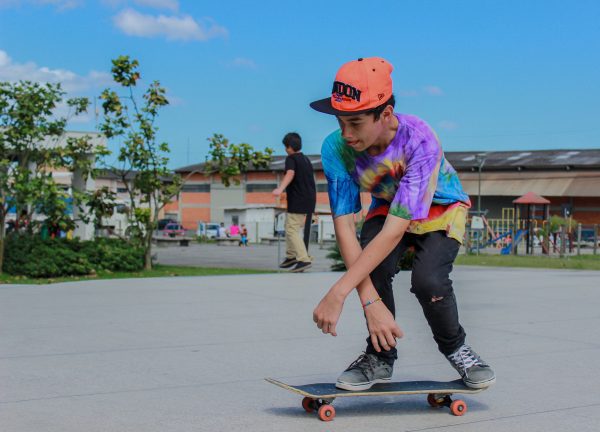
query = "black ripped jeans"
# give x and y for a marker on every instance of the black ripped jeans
(434, 256)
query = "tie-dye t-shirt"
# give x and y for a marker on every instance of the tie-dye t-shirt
(410, 179)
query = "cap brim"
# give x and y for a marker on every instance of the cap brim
(324, 106)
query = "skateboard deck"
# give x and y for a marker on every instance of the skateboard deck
(319, 396)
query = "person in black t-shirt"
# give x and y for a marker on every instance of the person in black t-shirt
(299, 183)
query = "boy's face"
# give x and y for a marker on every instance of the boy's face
(363, 131)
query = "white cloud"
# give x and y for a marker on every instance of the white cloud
(61, 5)
(172, 5)
(241, 62)
(433, 90)
(71, 82)
(182, 27)
(448, 125)
(159, 4)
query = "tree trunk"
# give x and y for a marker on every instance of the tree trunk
(148, 252)
(2, 237)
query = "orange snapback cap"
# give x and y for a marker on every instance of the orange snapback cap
(359, 86)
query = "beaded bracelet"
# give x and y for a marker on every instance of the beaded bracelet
(370, 302)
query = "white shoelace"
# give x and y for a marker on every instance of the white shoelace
(465, 358)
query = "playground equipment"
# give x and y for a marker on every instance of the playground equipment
(529, 201)
(517, 224)
(506, 250)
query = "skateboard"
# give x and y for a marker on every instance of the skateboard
(319, 396)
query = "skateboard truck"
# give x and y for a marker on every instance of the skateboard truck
(457, 407)
(325, 410)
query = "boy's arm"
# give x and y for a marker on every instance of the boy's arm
(380, 321)
(376, 251)
(287, 179)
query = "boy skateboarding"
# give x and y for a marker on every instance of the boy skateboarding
(417, 201)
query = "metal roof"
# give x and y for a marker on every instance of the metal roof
(530, 159)
(552, 160)
(544, 183)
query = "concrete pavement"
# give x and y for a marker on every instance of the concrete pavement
(256, 256)
(190, 354)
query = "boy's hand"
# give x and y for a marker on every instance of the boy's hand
(277, 192)
(382, 327)
(327, 313)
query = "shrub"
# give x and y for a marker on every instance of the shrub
(336, 256)
(113, 255)
(405, 262)
(35, 257)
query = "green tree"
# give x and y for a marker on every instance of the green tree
(230, 160)
(142, 159)
(31, 137)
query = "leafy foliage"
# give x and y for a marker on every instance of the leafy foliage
(142, 160)
(230, 160)
(405, 262)
(32, 256)
(32, 145)
(336, 256)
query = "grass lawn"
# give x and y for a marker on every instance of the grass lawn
(582, 262)
(157, 271)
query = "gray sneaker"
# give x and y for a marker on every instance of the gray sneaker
(364, 372)
(474, 371)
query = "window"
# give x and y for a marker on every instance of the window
(260, 187)
(196, 188)
(121, 190)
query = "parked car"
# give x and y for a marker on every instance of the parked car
(587, 238)
(208, 229)
(173, 230)
(162, 223)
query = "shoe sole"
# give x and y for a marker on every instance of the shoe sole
(480, 385)
(362, 386)
(301, 269)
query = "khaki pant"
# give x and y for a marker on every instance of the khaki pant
(294, 243)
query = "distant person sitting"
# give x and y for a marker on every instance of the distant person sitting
(299, 183)
(222, 231)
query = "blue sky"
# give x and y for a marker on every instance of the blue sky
(486, 75)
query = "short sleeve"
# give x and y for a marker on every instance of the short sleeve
(419, 182)
(290, 164)
(344, 192)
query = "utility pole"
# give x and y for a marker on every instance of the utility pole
(480, 158)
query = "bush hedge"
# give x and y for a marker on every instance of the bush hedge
(31, 256)
(405, 262)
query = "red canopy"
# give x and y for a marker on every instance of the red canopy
(531, 198)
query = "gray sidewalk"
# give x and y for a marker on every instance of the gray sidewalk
(190, 354)
(255, 256)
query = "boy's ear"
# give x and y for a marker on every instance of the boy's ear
(388, 111)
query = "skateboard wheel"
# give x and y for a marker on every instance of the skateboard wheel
(458, 407)
(326, 412)
(433, 401)
(308, 404)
